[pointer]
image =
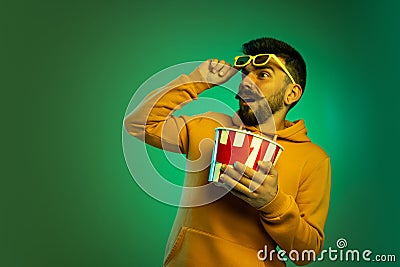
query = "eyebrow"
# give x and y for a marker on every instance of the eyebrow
(268, 66)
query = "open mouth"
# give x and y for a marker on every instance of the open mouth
(246, 99)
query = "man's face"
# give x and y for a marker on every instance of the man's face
(261, 87)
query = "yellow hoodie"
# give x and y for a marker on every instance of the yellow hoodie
(228, 231)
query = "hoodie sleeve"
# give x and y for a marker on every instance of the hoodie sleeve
(297, 224)
(152, 121)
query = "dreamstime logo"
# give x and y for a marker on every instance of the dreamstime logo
(144, 171)
(341, 243)
(332, 254)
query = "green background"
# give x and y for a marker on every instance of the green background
(69, 70)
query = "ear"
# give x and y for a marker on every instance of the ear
(293, 94)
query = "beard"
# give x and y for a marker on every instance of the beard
(261, 110)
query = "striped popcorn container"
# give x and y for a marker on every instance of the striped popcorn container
(232, 145)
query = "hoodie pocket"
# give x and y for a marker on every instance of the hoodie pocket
(193, 247)
(177, 244)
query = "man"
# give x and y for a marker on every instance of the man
(245, 226)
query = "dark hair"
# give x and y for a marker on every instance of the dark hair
(294, 62)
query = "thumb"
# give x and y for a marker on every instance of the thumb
(265, 166)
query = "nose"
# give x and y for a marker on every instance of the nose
(248, 80)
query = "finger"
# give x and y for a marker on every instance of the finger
(246, 170)
(264, 166)
(254, 186)
(234, 174)
(220, 65)
(250, 183)
(226, 70)
(273, 171)
(223, 166)
(271, 174)
(231, 183)
(213, 63)
(255, 178)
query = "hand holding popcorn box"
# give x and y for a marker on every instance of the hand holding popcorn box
(231, 145)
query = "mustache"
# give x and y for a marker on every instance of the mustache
(247, 93)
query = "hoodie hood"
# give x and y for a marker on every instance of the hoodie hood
(294, 131)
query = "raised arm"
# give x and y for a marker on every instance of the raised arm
(153, 120)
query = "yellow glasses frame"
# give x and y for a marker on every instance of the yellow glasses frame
(252, 59)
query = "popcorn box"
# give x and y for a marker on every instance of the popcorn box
(232, 145)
